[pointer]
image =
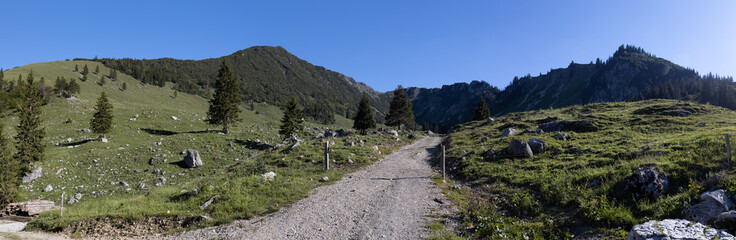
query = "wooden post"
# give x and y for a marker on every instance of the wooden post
(327, 155)
(61, 214)
(728, 150)
(443, 162)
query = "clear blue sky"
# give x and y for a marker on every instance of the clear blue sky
(382, 43)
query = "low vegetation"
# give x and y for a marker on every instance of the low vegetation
(576, 187)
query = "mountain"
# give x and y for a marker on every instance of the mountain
(438, 108)
(266, 74)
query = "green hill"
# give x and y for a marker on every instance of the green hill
(138, 178)
(576, 186)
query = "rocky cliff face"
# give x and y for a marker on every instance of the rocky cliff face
(438, 109)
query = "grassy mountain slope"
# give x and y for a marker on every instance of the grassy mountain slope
(576, 187)
(266, 74)
(145, 152)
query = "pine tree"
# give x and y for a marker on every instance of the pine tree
(293, 121)
(113, 74)
(85, 70)
(97, 69)
(102, 119)
(481, 112)
(125, 86)
(2, 80)
(400, 112)
(364, 117)
(224, 108)
(60, 85)
(76, 67)
(9, 178)
(73, 87)
(102, 80)
(30, 136)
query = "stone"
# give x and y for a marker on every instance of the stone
(269, 176)
(163, 180)
(349, 143)
(192, 159)
(48, 188)
(330, 133)
(341, 133)
(538, 146)
(69, 140)
(429, 132)
(670, 229)
(123, 183)
(319, 135)
(490, 120)
(393, 133)
(702, 124)
(509, 132)
(28, 208)
(104, 140)
(564, 125)
(208, 202)
(324, 179)
(33, 175)
(519, 148)
(726, 220)
(86, 130)
(142, 186)
(562, 136)
(646, 182)
(174, 118)
(711, 206)
(75, 198)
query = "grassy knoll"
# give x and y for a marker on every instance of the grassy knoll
(575, 188)
(137, 177)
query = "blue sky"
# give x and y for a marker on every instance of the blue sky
(382, 43)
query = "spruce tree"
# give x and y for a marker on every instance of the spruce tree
(400, 112)
(30, 136)
(85, 70)
(9, 178)
(97, 69)
(102, 119)
(481, 111)
(293, 121)
(102, 80)
(73, 87)
(224, 106)
(125, 86)
(2, 80)
(113, 74)
(364, 117)
(76, 67)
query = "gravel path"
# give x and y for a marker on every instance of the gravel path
(390, 199)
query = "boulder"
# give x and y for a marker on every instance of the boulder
(208, 202)
(75, 198)
(393, 133)
(490, 120)
(192, 159)
(675, 229)
(33, 175)
(269, 176)
(48, 188)
(341, 133)
(509, 132)
(646, 182)
(538, 146)
(104, 140)
(174, 118)
(711, 206)
(319, 135)
(29, 208)
(562, 136)
(518, 148)
(726, 220)
(429, 132)
(564, 125)
(324, 179)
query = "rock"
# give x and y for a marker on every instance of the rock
(192, 159)
(490, 120)
(538, 146)
(208, 202)
(174, 118)
(324, 179)
(123, 183)
(33, 175)
(711, 206)
(562, 136)
(48, 188)
(393, 132)
(86, 130)
(341, 133)
(671, 229)
(564, 125)
(104, 140)
(29, 208)
(518, 148)
(349, 143)
(429, 132)
(269, 176)
(509, 132)
(75, 198)
(726, 220)
(69, 140)
(490, 153)
(319, 135)
(141, 186)
(163, 180)
(330, 133)
(535, 131)
(484, 139)
(158, 143)
(702, 124)
(646, 182)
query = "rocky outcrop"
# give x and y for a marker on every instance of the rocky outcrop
(711, 205)
(192, 159)
(29, 208)
(726, 220)
(646, 182)
(33, 175)
(671, 229)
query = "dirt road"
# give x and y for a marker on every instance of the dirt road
(387, 200)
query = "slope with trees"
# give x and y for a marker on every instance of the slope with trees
(225, 103)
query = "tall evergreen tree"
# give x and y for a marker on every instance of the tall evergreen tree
(125, 86)
(481, 111)
(9, 178)
(113, 74)
(97, 68)
(30, 136)
(85, 70)
(73, 87)
(2, 80)
(76, 67)
(400, 112)
(293, 121)
(224, 106)
(364, 117)
(102, 80)
(102, 119)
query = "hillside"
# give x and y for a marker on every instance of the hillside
(437, 109)
(138, 177)
(577, 185)
(266, 74)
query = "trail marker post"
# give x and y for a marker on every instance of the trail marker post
(61, 213)
(327, 156)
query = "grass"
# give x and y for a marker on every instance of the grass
(578, 184)
(145, 152)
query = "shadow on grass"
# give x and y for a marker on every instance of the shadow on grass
(77, 143)
(162, 132)
(180, 164)
(253, 145)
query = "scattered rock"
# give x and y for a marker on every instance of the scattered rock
(429, 132)
(29, 208)
(411, 136)
(711, 206)
(33, 175)
(538, 146)
(163, 180)
(75, 198)
(562, 136)
(68, 140)
(675, 229)
(350, 143)
(208, 202)
(174, 118)
(484, 139)
(269, 176)
(86, 130)
(490, 120)
(48, 188)
(104, 140)
(142, 186)
(341, 133)
(509, 132)
(123, 183)
(646, 182)
(726, 220)
(324, 179)
(518, 148)
(192, 159)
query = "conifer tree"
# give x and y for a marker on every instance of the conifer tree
(97, 69)
(85, 70)
(364, 117)
(9, 178)
(224, 106)
(125, 86)
(102, 119)
(30, 136)
(113, 74)
(76, 67)
(400, 112)
(73, 87)
(60, 85)
(481, 111)
(293, 121)
(2, 80)
(102, 80)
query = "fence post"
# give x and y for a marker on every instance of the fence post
(728, 150)
(443, 162)
(61, 213)
(327, 155)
